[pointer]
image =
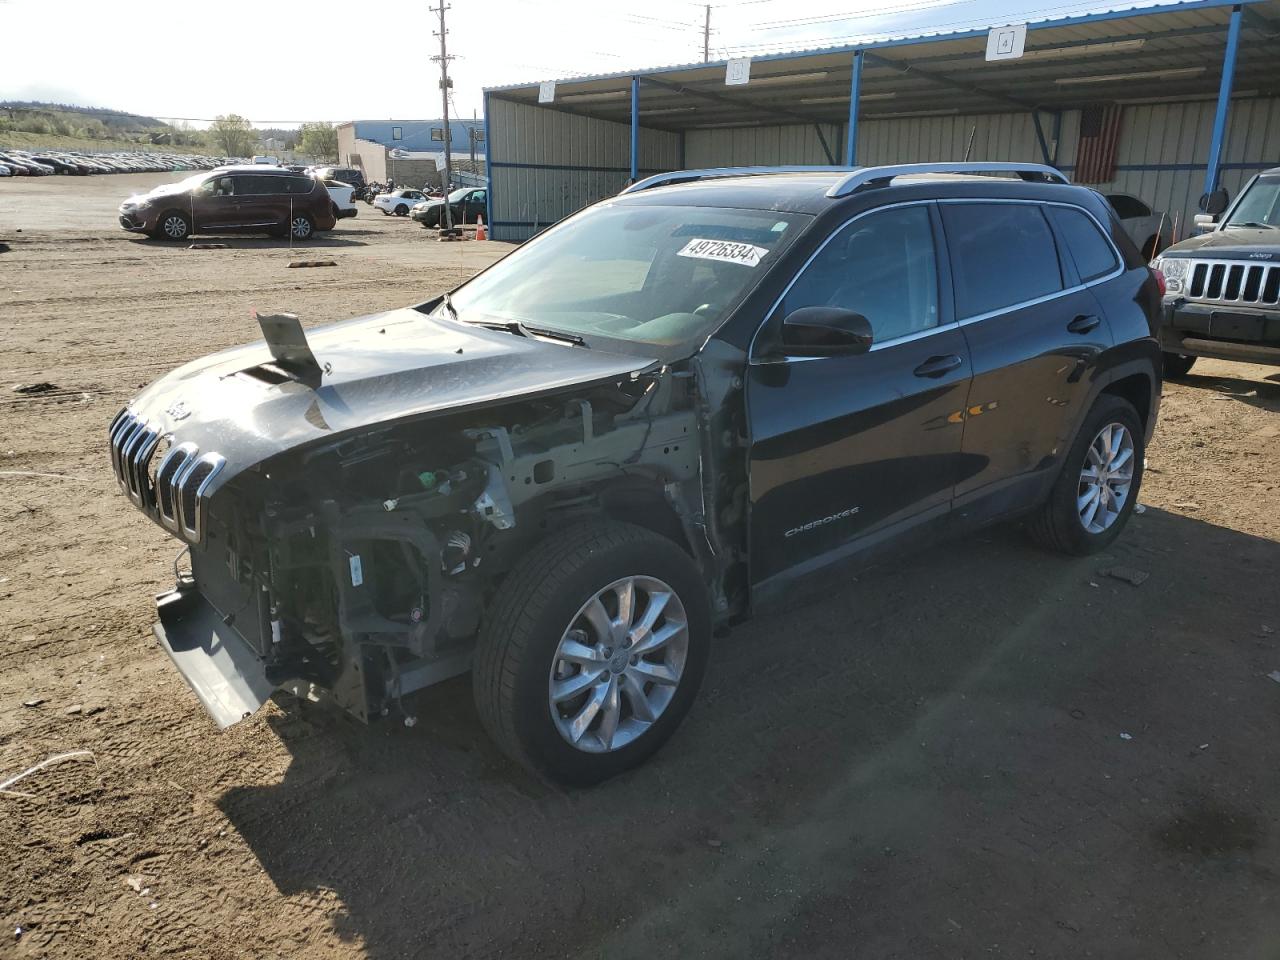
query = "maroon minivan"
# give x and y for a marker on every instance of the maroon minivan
(247, 199)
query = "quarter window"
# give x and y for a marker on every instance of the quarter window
(1093, 255)
(882, 266)
(1002, 254)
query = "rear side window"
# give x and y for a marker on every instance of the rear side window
(1002, 254)
(1089, 249)
(256, 186)
(298, 184)
(882, 266)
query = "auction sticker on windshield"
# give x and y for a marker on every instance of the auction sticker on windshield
(725, 251)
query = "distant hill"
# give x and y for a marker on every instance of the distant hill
(65, 120)
(118, 119)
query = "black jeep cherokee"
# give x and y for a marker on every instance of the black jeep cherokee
(1223, 287)
(648, 422)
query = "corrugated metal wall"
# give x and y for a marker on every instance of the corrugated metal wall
(763, 146)
(1161, 159)
(545, 164)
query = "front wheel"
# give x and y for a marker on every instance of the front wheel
(173, 226)
(401, 210)
(593, 652)
(1097, 488)
(1177, 365)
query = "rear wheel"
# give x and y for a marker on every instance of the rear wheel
(1096, 490)
(173, 225)
(1177, 365)
(301, 227)
(593, 652)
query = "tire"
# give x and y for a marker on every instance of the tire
(1177, 365)
(173, 225)
(518, 660)
(301, 227)
(1060, 522)
(402, 210)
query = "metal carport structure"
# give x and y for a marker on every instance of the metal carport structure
(1174, 68)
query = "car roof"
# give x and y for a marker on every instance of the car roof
(798, 191)
(255, 168)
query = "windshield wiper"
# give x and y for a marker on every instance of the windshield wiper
(519, 328)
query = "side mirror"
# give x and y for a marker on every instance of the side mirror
(1216, 202)
(825, 331)
(1204, 222)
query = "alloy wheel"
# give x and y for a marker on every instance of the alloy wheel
(1106, 478)
(301, 228)
(175, 227)
(618, 665)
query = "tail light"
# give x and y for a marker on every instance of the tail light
(1160, 281)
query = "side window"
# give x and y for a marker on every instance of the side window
(222, 187)
(302, 185)
(882, 266)
(1089, 249)
(254, 186)
(1002, 254)
(1127, 207)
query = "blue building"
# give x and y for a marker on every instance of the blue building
(419, 136)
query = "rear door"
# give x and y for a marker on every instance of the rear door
(1035, 332)
(848, 449)
(263, 201)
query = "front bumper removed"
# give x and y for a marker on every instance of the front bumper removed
(219, 666)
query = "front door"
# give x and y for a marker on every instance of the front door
(849, 449)
(214, 204)
(1035, 332)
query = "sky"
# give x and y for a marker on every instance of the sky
(282, 63)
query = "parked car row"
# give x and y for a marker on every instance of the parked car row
(24, 163)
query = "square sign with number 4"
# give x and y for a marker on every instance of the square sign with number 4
(1006, 43)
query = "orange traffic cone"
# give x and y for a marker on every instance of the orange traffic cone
(481, 232)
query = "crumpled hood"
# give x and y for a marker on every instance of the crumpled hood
(1237, 243)
(378, 369)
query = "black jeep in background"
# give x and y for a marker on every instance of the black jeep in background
(1223, 287)
(645, 424)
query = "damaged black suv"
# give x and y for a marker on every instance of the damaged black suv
(638, 428)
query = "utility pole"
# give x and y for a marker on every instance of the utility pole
(471, 136)
(706, 34)
(443, 60)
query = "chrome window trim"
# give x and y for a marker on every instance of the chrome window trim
(752, 359)
(1120, 268)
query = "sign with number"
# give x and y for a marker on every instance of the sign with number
(547, 91)
(1006, 43)
(737, 72)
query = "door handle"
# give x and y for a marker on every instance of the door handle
(938, 366)
(1084, 323)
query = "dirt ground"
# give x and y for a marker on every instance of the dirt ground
(983, 751)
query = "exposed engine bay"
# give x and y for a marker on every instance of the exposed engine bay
(359, 569)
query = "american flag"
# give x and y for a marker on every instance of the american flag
(1099, 139)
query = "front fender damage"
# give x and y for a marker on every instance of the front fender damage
(358, 571)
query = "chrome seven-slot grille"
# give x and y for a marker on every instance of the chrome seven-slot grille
(1234, 281)
(164, 480)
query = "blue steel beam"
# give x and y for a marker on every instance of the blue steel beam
(855, 87)
(635, 128)
(488, 168)
(1224, 101)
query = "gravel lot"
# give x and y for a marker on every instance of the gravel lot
(983, 751)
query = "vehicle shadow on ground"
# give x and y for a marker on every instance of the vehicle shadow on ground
(982, 744)
(241, 242)
(1263, 392)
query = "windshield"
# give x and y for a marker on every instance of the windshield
(183, 185)
(457, 195)
(1260, 204)
(650, 274)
